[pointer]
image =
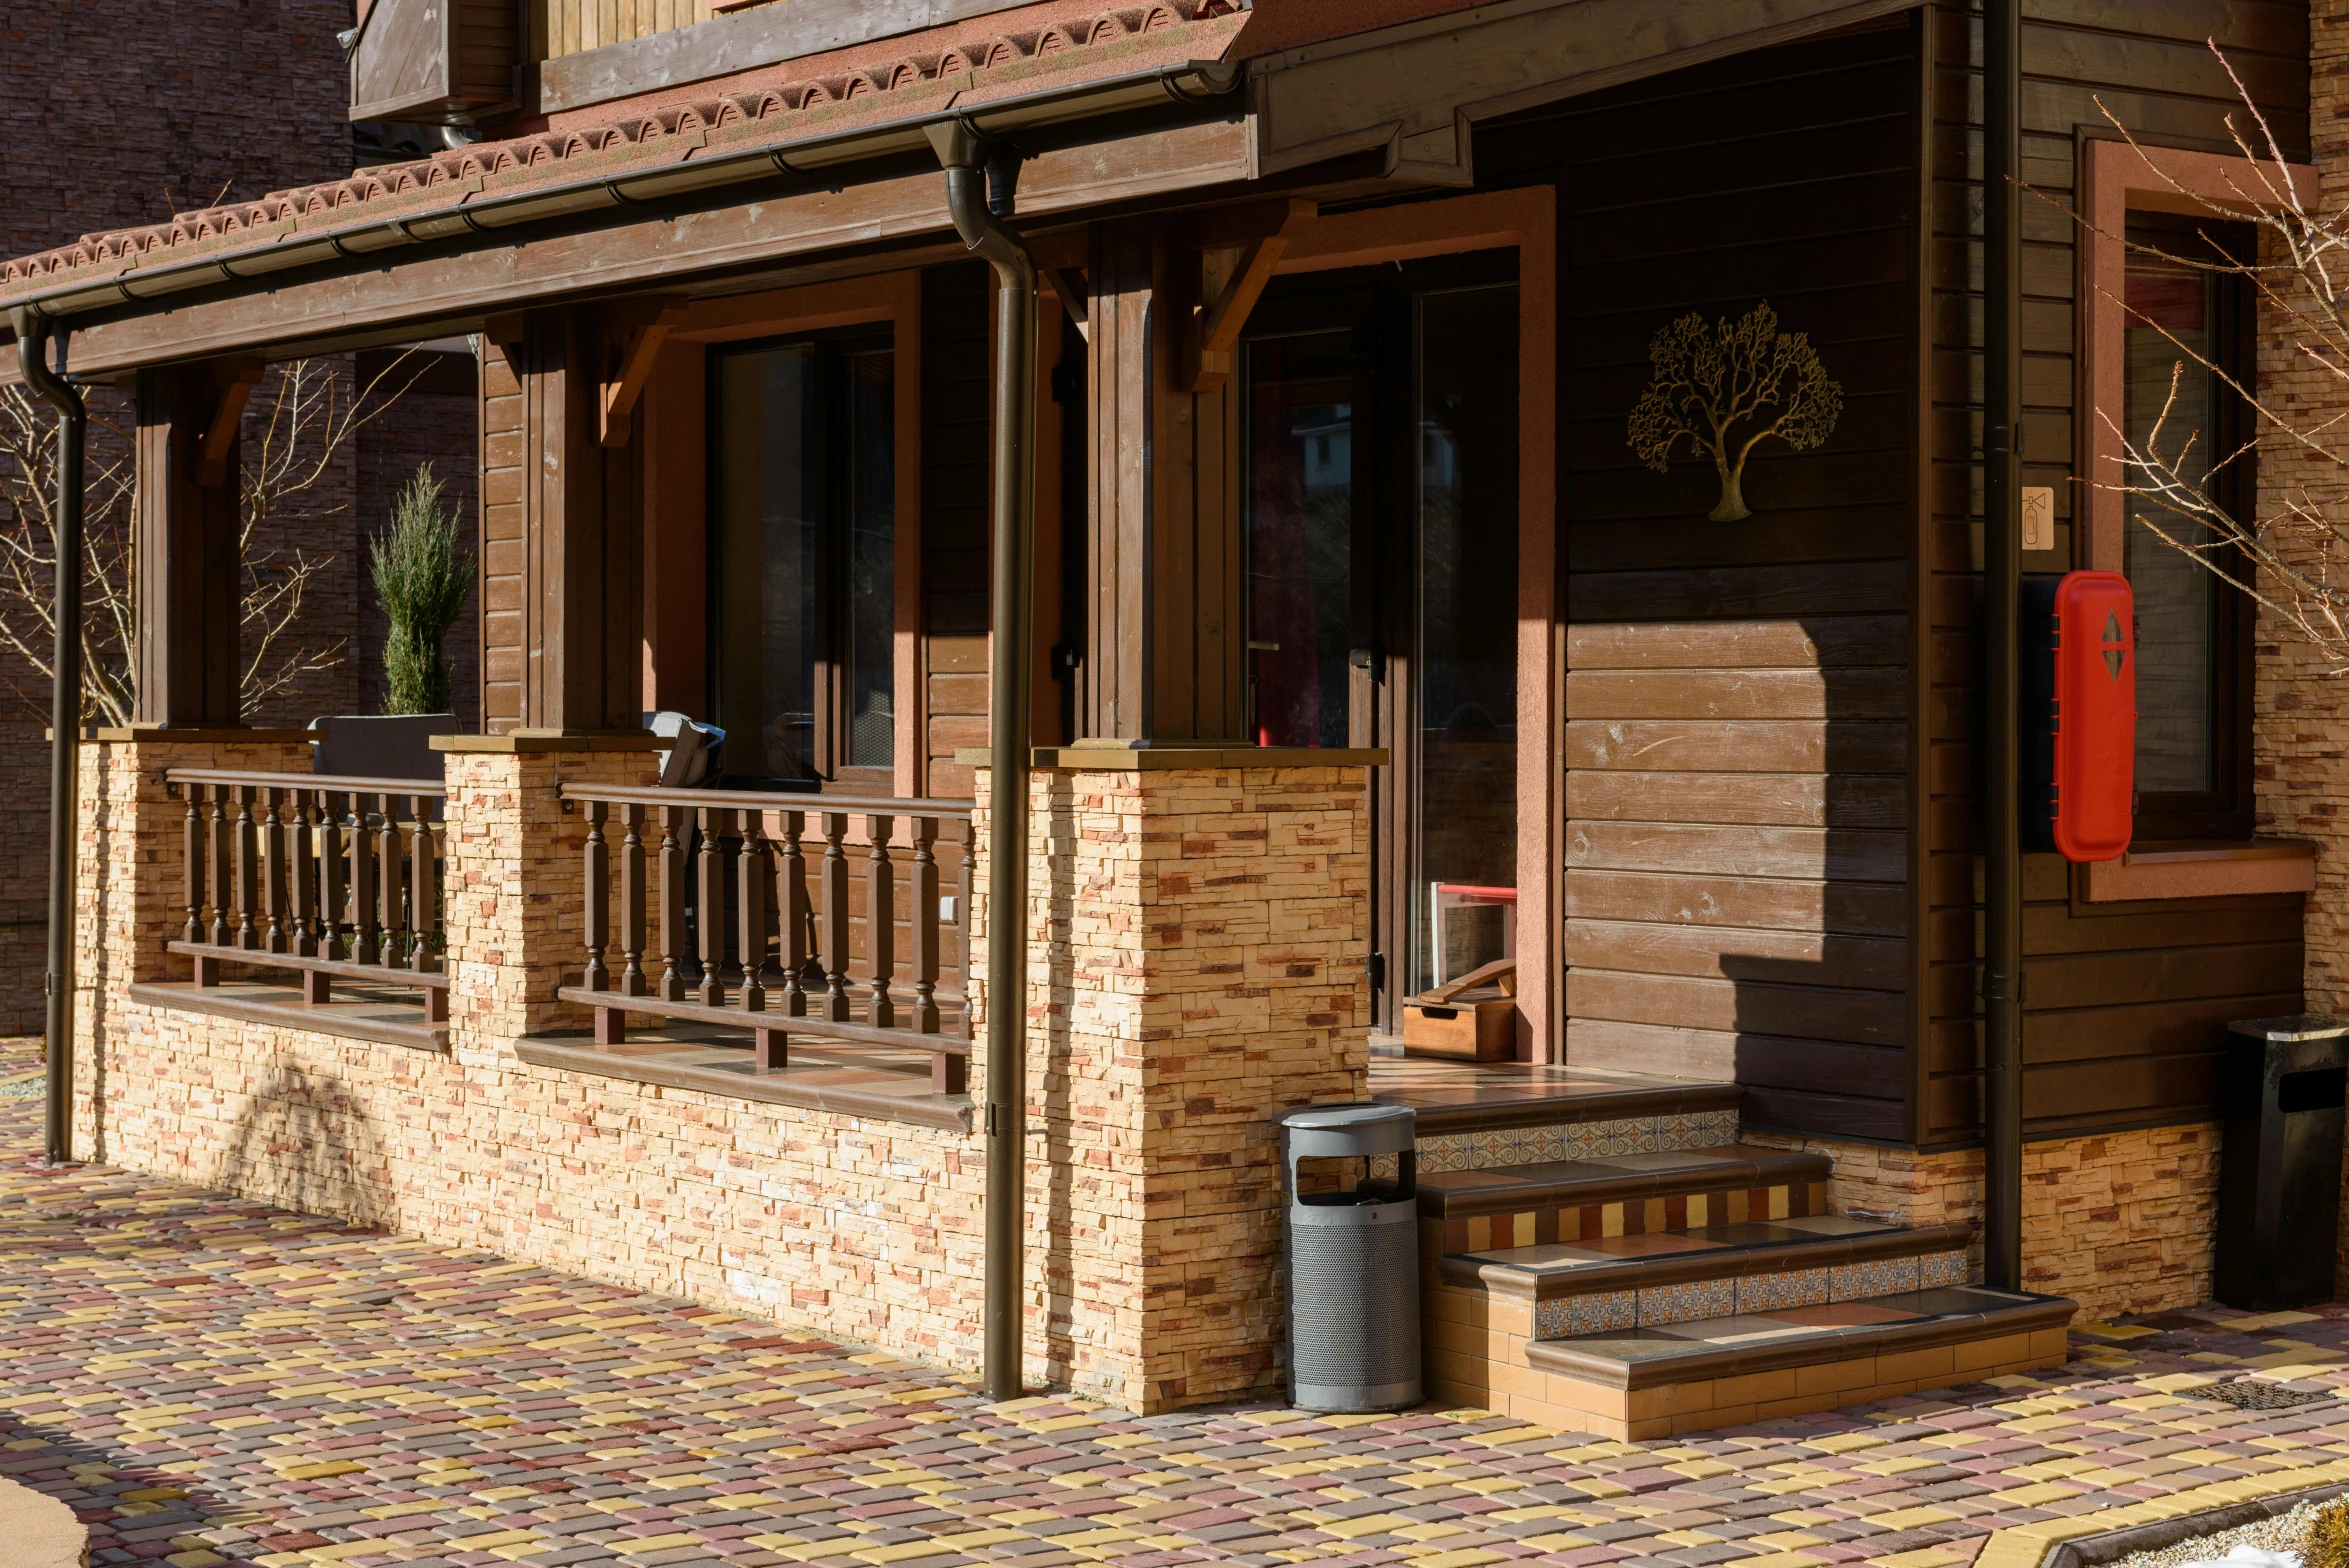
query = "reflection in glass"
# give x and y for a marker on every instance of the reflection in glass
(1467, 659)
(805, 495)
(1300, 537)
(2171, 306)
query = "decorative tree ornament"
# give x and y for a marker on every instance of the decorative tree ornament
(1726, 387)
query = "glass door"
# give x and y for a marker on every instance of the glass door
(1381, 541)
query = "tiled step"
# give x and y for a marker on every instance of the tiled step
(1561, 1202)
(1480, 1117)
(1623, 1282)
(1707, 1373)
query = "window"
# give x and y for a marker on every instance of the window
(804, 560)
(2193, 631)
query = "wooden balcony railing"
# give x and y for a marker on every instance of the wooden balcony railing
(717, 922)
(317, 874)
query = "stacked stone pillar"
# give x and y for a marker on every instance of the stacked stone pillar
(1199, 923)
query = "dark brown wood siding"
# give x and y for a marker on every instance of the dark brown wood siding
(955, 396)
(1738, 694)
(2125, 1004)
(501, 539)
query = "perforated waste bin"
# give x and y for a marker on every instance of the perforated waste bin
(2282, 1089)
(1353, 1259)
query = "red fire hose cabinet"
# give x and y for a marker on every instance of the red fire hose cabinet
(2080, 714)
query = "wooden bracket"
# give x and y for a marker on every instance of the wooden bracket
(640, 347)
(1070, 286)
(236, 390)
(1230, 287)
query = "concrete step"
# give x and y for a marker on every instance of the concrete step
(1562, 1202)
(1665, 1277)
(1482, 1117)
(1736, 1368)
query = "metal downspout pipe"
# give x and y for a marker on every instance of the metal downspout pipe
(65, 723)
(2002, 561)
(1011, 528)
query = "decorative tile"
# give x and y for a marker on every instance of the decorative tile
(1600, 1312)
(1876, 1277)
(1943, 1268)
(1788, 1288)
(1686, 1303)
(1446, 1151)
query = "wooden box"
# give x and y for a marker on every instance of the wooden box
(1475, 1028)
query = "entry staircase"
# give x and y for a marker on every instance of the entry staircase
(1602, 1253)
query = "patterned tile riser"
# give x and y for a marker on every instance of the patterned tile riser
(1483, 1151)
(1607, 1311)
(1593, 1222)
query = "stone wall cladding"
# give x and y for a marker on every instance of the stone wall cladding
(1207, 932)
(2300, 722)
(1198, 968)
(2119, 1222)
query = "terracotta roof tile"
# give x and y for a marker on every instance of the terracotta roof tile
(1095, 43)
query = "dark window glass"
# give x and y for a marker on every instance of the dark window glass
(2184, 320)
(1467, 581)
(805, 560)
(1300, 536)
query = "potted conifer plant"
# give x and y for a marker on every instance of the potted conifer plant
(421, 580)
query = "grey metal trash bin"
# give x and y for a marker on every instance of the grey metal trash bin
(2282, 1087)
(1353, 1263)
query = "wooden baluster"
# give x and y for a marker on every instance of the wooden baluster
(394, 875)
(223, 874)
(751, 905)
(835, 888)
(632, 899)
(672, 902)
(423, 884)
(193, 852)
(880, 924)
(303, 869)
(949, 1073)
(363, 931)
(709, 895)
(922, 888)
(791, 906)
(962, 919)
(599, 895)
(248, 869)
(331, 866)
(274, 937)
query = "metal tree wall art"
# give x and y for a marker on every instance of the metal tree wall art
(1727, 387)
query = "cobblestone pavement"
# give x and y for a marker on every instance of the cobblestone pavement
(212, 1381)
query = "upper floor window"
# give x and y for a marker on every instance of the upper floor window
(2193, 631)
(803, 559)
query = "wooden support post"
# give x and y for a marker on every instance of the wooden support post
(186, 549)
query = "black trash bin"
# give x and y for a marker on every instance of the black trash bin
(2281, 1091)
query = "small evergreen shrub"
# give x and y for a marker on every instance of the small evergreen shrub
(2327, 1545)
(421, 580)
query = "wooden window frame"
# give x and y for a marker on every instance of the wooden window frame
(891, 300)
(2118, 178)
(1525, 220)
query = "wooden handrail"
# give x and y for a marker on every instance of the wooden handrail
(773, 941)
(338, 783)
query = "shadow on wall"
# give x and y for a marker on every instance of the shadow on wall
(304, 1143)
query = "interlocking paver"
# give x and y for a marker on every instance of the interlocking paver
(217, 1384)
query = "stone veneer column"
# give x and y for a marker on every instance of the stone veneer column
(1199, 929)
(515, 880)
(130, 892)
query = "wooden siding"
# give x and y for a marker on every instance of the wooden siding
(561, 27)
(1737, 694)
(955, 392)
(501, 538)
(2124, 1004)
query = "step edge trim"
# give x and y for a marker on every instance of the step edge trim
(2045, 1312)
(1509, 1279)
(1727, 1176)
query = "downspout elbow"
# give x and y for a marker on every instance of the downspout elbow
(32, 361)
(987, 236)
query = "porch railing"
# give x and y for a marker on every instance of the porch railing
(315, 873)
(721, 918)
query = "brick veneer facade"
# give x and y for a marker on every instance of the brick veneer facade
(1198, 942)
